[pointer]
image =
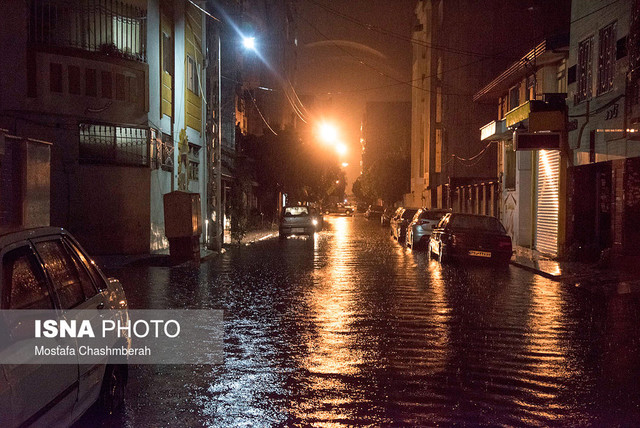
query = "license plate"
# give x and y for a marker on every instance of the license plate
(297, 230)
(480, 253)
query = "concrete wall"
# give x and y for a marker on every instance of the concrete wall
(115, 218)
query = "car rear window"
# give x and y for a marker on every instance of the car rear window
(432, 215)
(488, 224)
(296, 211)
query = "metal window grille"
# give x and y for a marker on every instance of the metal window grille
(108, 26)
(114, 144)
(162, 156)
(606, 58)
(583, 91)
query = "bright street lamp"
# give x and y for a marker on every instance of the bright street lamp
(341, 148)
(328, 132)
(249, 43)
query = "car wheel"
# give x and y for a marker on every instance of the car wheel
(113, 387)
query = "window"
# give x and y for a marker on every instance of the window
(514, 97)
(167, 54)
(561, 77)
(192, 76)
(121, 83)
(606, 58)
(91, 84)
(584, 79)
(25, 281)
(107, 84)
(84, 264)
(74, 80)
(509, 166)
(530, 93)
(73, 285)
(55, 77)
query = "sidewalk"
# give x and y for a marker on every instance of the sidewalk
(161, 258)
(573, 272)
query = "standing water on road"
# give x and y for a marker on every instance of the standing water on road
(350, 328)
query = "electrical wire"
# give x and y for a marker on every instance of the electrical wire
(384, 31)
(380, 72)
(262, 116)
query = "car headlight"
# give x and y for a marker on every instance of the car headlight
(315, 222)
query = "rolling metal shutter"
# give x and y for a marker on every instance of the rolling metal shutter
(547, 198)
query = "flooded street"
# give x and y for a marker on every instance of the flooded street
(352, 329)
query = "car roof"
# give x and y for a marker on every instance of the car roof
(10, 234)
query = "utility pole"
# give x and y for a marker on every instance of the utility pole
(214, 140)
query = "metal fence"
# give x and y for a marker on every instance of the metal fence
(114, 144)
(107, 26)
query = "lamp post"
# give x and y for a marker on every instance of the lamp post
(215, 238)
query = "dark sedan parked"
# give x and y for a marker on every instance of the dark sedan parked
(470, 236)
(399, 223)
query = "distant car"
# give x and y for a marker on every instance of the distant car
(386, 216)
(400, 221)
(340, 209)
(419, 230)
(46, 269)
(470, 236)
(297, 220)
(316, 214)
(374, 212)
(362, 207)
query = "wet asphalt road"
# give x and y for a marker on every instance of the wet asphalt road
(352, 329)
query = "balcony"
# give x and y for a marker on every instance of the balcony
(547, 115)
(108, 27)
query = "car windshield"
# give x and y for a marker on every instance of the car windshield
(432, 215)
(409, 213)
(482, 223)
(296, 211)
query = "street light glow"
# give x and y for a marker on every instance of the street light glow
(249, 43)
(341, 148)
(328, 132)
(345, 164)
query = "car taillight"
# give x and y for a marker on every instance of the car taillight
(504, 242)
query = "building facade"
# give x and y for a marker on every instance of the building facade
(116, 88)
(604, 113)
(460, 46)
(531, 114)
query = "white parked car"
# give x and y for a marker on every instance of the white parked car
(419, 230)
(46, 269)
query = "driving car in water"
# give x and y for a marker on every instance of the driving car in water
(297, 220)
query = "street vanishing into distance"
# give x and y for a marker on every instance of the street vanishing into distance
(351, 328)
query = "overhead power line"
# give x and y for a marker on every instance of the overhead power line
(395, 35)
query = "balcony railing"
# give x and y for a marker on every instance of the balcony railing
(107, 26)
(109, 144)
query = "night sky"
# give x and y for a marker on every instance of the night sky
(332, 46)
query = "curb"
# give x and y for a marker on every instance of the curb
(536, 271)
